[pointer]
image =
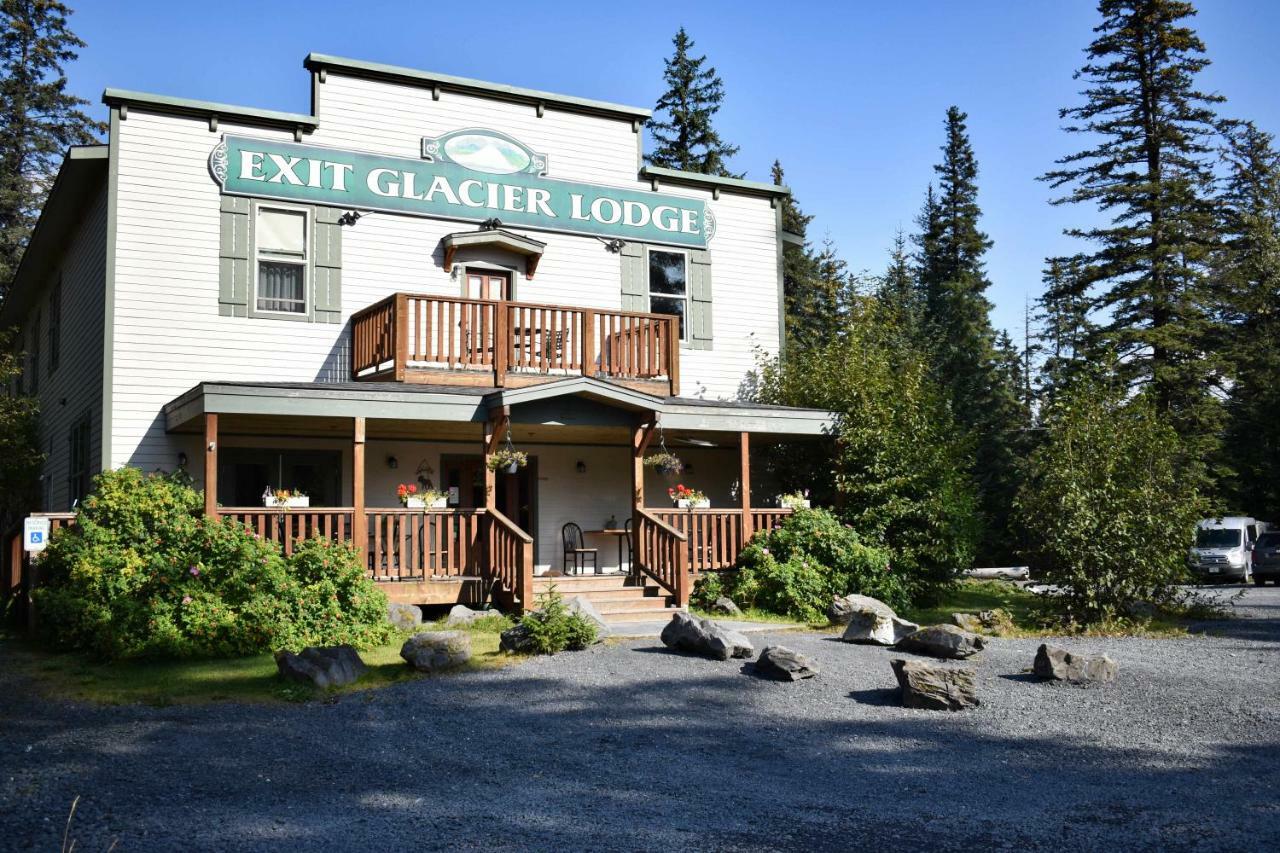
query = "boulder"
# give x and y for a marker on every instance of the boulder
(437, 651)
(933, 687)
(583, 607)
(843, 607)
(404, 617)
(515, 639)
(1057, 664)
(783, 664)
(1143, 610)
(992, 622)
(942, 641)
(726, 607)
(876, 628)
(321, 666)
(704, 637)
(461, 614)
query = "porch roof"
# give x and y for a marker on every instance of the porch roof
(473, 404)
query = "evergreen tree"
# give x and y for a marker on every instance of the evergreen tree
(1149, 131)
(685, 138)
(38, 118)
(1065, 326)
(956, 322)
(1247, 280)
(800, 273)
(898, 288)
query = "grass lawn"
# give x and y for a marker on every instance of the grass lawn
(69, 675)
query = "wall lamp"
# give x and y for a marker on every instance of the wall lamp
(182, 459)
(582, 467)
(393, 463)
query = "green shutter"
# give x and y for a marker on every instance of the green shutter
(233, 258)
(635, 278)
(327, 265)
(699, 299)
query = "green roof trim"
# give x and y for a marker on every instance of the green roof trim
(204, 109)
(447, 82)
(713, 182)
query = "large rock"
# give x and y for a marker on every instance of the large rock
(876, 628)
(705, 637)
(843, 607)
(1057, 664)
(321, 666)
(725, 607)
(583, 607)
(404, 617)
(934, 687)
(516, 639)
(461, 614)
(942, 641)
(437, 651)
(992, 622)
(783, 664)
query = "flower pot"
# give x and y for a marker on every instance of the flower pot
(289, 503)
(441, 502)
(415, 503)
(703, 504)
(685, 503)
(513, 468)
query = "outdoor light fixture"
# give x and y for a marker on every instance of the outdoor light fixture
(182, 459)
(393, 463)
(688, 467)
(582, 467)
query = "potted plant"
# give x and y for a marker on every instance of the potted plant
(508, 460)
(285, 498)
(665, 462)
(686, 498)
(795, 500)
(413, 498)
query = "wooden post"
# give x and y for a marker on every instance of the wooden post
(210, 464)
(494, 430)
(744, 443)
(589, 342)
(673, 356)
(359, 519)
(501, 343)
(400, 323)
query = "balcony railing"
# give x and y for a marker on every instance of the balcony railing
(412, 337)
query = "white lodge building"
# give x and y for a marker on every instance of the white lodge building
(388, 290)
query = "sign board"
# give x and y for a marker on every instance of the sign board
(35, 534)
(472, 175)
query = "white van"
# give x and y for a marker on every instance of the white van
(1224, 548)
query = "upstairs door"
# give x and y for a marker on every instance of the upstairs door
(489, 285)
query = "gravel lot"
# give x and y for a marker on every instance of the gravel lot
(629, 747)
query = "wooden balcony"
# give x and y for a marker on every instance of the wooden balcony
(454, 341)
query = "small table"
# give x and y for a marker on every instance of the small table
(621, 532)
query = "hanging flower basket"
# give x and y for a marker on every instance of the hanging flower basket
(508, 460)
(665, 462)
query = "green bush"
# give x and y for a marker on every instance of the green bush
(141, 575)
(552, 628)
(796, 569)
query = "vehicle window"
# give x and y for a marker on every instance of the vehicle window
(1269, 540)
(1220, 538)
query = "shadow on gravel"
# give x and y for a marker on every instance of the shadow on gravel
(882, 697)
(1021, 677)
(1244, 628)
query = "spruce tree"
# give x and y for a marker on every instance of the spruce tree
(685, 138)
(809, 280)
(982, 391)
(39, 119)
(1066, 330)
(899, 290)
(1148, 133)
(1246, 276)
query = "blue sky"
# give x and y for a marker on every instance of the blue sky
(850, 96)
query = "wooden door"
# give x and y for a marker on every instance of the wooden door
(487, 284)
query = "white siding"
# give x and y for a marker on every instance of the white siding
(74, 390)
(169, 335)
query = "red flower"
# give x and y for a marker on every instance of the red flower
(413, 489)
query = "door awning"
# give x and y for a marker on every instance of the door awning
(496, 238)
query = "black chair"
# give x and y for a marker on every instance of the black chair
(631, 554)
(571, 537)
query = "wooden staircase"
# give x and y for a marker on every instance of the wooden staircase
(611, 595)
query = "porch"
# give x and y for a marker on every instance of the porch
(586, 439)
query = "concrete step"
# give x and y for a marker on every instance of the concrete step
(606, 608)
(625, 617)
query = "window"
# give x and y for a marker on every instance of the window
(33, 358)
(669, 285)
(78, 460)
(55, 326)
(281, 246)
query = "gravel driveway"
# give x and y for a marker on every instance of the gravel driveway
(630, 747)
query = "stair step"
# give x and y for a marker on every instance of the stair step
(606, 608)
(663, 615)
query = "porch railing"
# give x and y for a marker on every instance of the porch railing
(417, 544)
(662, 553)
(511, 557)
(287, 526)
(715, 535)
(491, 339)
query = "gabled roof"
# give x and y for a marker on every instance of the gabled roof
(82, 171)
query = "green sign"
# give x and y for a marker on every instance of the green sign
(472, 175)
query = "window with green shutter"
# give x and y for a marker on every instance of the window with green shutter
(670, 281)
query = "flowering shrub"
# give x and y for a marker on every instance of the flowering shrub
(140, 574)
(796, 569)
